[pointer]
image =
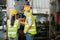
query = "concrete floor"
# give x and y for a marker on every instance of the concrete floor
(2, 35)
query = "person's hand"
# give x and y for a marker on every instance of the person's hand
(21, 22)
(25, 32)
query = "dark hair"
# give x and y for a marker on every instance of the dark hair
(20, 15)
(27, 3)
(17, 16)
(12, 20)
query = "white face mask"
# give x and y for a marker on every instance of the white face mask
(25, 12)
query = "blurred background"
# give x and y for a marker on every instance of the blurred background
(46, 13)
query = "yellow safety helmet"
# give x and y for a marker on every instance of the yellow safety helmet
(27, 7)
(13, 11)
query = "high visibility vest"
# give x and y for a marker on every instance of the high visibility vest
(12, 31)
(32, 30)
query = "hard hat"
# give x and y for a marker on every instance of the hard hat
(27, 7)
(13, 11)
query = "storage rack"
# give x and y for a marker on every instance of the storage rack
(42, 30)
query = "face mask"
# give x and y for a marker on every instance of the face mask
(25, 12)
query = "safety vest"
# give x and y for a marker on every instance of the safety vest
(32, 30)
(12, 31)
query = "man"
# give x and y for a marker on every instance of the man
(21, 18)
(30, 27)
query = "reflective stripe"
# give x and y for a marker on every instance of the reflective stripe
(32, 30)
(32, 25)
(11, 32)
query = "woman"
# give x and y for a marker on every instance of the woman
(12, 27)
